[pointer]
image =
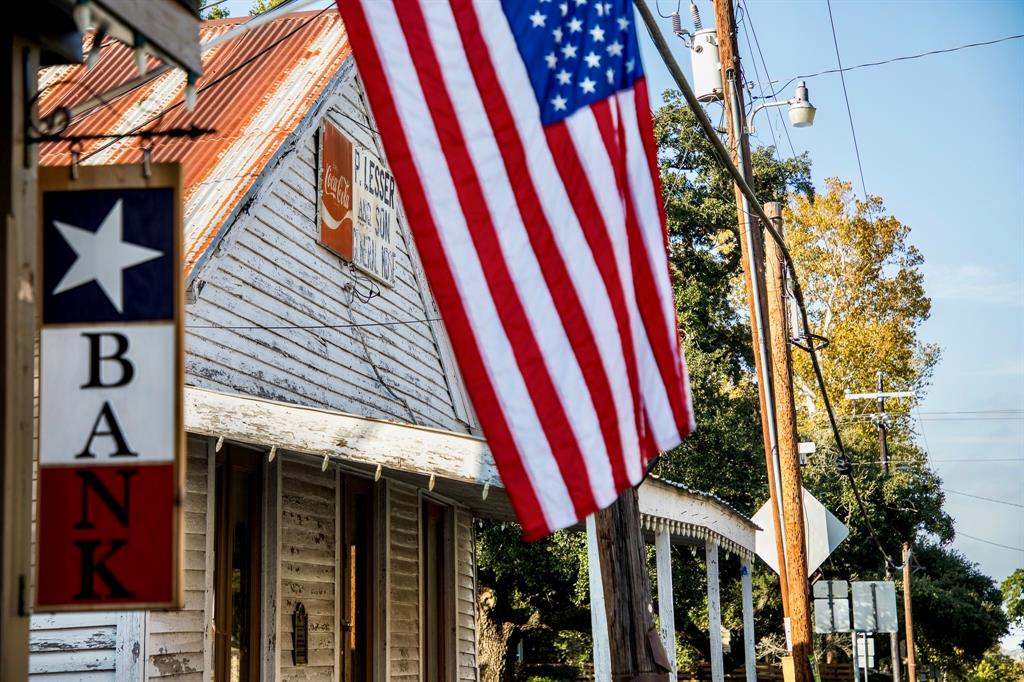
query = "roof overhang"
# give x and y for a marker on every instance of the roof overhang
(461, 465)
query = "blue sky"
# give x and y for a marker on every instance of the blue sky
(942, 141)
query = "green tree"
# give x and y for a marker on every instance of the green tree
(997, 667)
(960, 609)
(261, 6)
(209, 13)
(1013, 598)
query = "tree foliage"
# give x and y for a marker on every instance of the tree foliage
(215, 12)
(1013, 598)
(261, 6)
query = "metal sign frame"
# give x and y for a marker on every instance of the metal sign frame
(118, 177)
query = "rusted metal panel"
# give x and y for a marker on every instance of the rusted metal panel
(254, 91)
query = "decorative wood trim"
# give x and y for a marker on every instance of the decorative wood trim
(666, 604)
(320, 432)
(598, 619)
(130, 655)
(271, 572)
(210, 537)
(339, 537)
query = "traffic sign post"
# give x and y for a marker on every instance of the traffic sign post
(111, 439)
(831, 606)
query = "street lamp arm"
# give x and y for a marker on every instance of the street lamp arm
(765, 105)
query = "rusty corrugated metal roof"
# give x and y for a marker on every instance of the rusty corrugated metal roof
(254, 91)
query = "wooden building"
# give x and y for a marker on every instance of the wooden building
(335, 466)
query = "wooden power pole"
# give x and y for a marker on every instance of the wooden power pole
(752, 248)
(634, 643)
(789, 458)
(908, 617)
(752, 252)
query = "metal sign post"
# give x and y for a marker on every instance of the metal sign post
(111, 466)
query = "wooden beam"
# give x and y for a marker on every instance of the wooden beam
(598, 622)
(664, 500)
(666, 598)
(749, 652)
(714, 612)
(362, 440)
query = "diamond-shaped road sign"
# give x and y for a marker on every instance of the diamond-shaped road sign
(823, 532)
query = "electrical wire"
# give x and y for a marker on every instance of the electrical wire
(989, 542)
(895, 59)
(846, 96)
(987, 499)
(760, 85)
(278, 327)
(769, 227)
(768, 77)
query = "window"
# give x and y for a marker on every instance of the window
(357, 579)
(436, 562)
(237, 573)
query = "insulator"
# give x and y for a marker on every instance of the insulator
(677, 23)
(695, 14)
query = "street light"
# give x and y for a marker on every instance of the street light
(801, 111)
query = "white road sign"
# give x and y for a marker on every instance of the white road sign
(874, 606)
(823, 533)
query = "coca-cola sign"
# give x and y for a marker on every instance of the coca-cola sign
(335, 185)
(357, 205)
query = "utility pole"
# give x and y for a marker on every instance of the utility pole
(883, 454)
(634, 643)
(911, 655)
(789, 458)
(752, 251)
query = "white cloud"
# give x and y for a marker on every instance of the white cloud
(973, 283)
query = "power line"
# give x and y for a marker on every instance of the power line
(898, 59)
(849, 112)
(757, 44)
(312, 326)
(989, 542)
(982, 497)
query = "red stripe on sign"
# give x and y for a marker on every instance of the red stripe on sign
(581, 193)
(646, 289)
(435, 263)
(645, 125)
(105, 535)
(545, 248)
(530, 359)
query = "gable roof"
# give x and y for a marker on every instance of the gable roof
(254, 91)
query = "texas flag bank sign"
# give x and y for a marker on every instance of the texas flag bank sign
(110, 421)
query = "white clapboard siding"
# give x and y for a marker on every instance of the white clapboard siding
(404, 566)
(272, 309)
(175, 639)
(308, 566)
(73, 646)
(465, 597)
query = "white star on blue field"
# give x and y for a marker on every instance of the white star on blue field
(577, 52)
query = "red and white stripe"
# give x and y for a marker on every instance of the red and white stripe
(545, 248)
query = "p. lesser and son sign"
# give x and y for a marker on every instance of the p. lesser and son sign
(357, 205)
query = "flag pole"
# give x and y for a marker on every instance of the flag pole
(637, 652)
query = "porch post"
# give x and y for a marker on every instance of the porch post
(749, 656)
(714, 611)
(598, 622)
(666, 607)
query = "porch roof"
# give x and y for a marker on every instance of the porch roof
(460, 464)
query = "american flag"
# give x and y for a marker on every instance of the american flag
(521, 140)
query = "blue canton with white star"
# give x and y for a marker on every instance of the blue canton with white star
(577, 52)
